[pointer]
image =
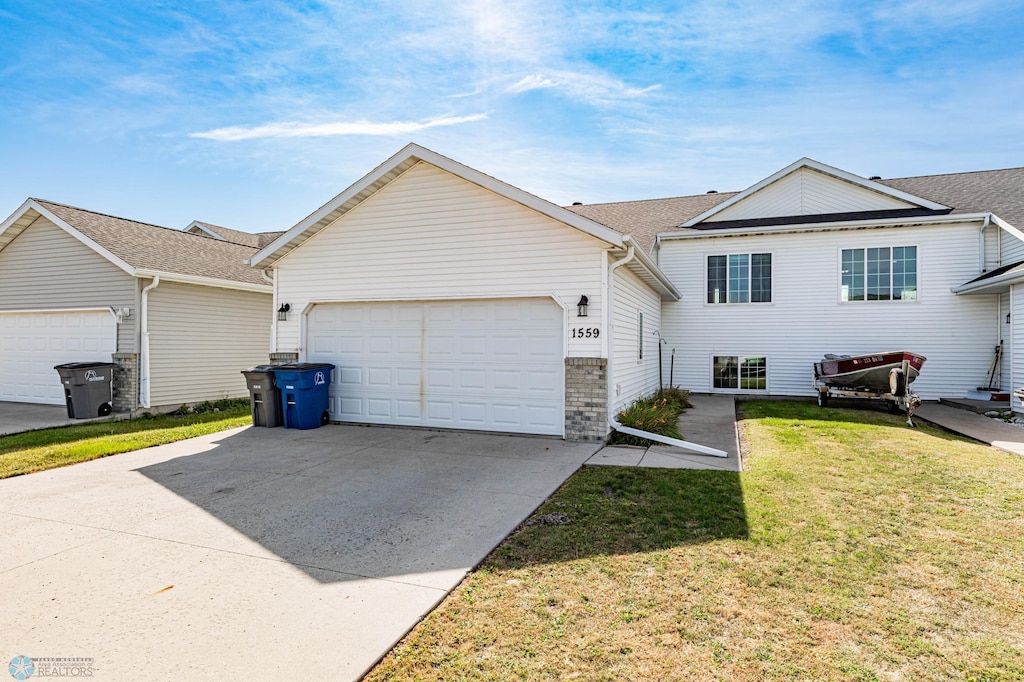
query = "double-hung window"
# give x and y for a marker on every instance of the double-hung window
(740, 278)
(887, 273)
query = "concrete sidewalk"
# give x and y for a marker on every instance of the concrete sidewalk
(992, 431)
(711, 422)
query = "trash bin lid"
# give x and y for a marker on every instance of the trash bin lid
(259, 368)
(84, 365)
(303, 366)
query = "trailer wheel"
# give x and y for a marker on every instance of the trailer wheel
(894, 407)
(823, 398)
(897, 382)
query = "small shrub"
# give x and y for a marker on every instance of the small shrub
(654, 413)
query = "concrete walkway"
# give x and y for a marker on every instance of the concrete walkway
(711, 421)
(992, 431)
(18, 417)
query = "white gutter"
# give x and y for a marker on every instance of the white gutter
(203, 281)
(144, 354)
(674, 442)
(610, 306)
(652, 268)
(273, 305)
(952, 218)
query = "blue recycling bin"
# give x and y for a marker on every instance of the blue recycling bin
(304, 398)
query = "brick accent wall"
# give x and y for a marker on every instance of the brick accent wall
(283, 358)
(126, 382)
(586, 399)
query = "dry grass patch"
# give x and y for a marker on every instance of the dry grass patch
(852, 548)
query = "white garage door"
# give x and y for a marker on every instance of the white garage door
(494, 365)
(32, 343)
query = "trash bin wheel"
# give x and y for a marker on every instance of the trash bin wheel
(325, 418)
(105, 409)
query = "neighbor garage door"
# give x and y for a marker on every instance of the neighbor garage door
(494, 365)
(32, 343)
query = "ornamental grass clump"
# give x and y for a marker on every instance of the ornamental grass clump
(655, 413)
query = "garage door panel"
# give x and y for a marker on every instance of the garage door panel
(32, 343)
(493, 365)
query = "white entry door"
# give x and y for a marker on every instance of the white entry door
(494, 365)
(32, 343)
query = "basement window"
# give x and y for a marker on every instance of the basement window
(740, 372)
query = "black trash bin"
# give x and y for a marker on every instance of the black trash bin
(264, 396)
(87, 388)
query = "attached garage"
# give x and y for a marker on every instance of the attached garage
(449, 299)
(31, 343)
(490, 364)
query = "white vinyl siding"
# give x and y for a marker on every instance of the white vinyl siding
(807, 319)
(1005, 333)
(808, 192)
(633, 377)
(45, 268)
(1016, 357)
(1010, 249)
(200, 340)
(430, 235)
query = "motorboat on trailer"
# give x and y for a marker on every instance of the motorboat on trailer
(881, 376)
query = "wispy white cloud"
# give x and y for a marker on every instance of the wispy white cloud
(331, 129)
(591, 88)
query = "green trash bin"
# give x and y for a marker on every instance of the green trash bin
(88, 388)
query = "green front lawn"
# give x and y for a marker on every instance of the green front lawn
(852, 548)
(24, 453)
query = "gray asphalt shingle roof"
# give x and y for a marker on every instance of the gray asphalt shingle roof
(256, 240)
(163, 249)
(996, 191)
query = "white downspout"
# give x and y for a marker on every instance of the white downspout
(144, 354)
(610, 305)
(273, 317)
(981, 242)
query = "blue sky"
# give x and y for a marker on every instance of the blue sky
(253, 114)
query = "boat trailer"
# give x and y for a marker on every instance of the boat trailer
(899, 396)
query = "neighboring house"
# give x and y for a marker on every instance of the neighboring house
(181, 314)
(815, 260)
(256, 240)
(449, 298)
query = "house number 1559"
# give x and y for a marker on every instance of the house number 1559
(585, 332)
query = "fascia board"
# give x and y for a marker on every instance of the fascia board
(823, 168)
(414, 152)
(824, 227)
(39, 208)
(205, 281)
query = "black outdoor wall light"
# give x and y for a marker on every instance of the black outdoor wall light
(282, 312)
(581, 307)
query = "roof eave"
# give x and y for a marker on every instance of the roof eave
(205, 281)
(952, 218)
(657, 279)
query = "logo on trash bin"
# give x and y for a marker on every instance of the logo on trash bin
(21, 668)
(91, 375)
(319, 379)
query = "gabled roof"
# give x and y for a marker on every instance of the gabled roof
(898, 198)
(412, 154)
(1000, 192)
(144, 250)
(256, 240)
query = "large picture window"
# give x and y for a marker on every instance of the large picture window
(744, 373)
(740, 278)
(887, 273)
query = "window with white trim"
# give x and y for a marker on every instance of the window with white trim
(740, 278)
(740, 372)
(886, 273)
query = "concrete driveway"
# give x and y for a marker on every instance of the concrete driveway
(18, 417)
(258, 553)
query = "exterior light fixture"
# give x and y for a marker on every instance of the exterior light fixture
(282, 312)
(581, 307)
